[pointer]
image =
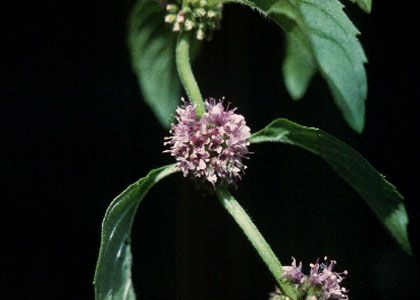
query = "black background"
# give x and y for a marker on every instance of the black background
(75, 132)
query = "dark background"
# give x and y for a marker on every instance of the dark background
(75, 132)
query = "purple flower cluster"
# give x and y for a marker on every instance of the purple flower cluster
(321, 284)
(211, 147)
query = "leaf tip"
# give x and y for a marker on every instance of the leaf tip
(357, 123)
(367, 8)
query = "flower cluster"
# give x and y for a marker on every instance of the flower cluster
(201, 16)
(321, 284)
(211, 147)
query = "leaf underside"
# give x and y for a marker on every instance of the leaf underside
(299, 67)
(152, 48)
(326, 33)
(380, 195)
(113, 270)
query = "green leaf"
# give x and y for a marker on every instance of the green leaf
(366, 5)
(152, 48)
(298, 68)
(113, 270)
(381, 196)
(324, 28)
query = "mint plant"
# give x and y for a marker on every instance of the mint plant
(210, 141)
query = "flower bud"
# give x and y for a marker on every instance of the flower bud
(195, 15)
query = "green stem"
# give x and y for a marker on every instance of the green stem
(255, 237)
(182, 57)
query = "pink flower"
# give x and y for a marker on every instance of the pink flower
(211, 148)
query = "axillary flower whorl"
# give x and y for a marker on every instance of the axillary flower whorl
(211, 147)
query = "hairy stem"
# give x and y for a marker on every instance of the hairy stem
(255, 237)
(183, 64)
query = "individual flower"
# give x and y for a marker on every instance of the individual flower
(211, 147)
(293, 273)
(322, 283)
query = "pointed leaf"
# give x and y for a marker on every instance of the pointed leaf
(113, 270)
(381, 196)
(331, 36)
(298, 68)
